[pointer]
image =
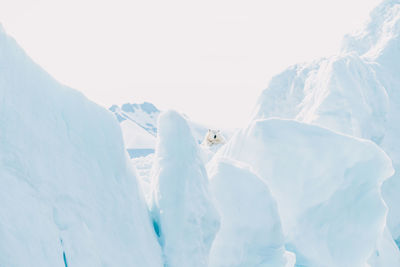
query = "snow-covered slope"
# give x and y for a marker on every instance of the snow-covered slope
(356, 92)
(145, 115)
(139, 127)
(142, 142)
(68, 194)
(327, 188)
(184, 215)
(138, 141)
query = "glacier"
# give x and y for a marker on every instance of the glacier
(312, 180)
(69, 195)
(355, 92)
(184, 215)
(251, 232)
(327, 189)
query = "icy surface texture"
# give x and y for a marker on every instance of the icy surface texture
(251, 232)
(327, 188)
(184, 214)
(68, 195)
(356, 92)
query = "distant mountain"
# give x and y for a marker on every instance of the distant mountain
(144, 115)
(139, 127)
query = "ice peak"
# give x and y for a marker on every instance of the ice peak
(175, 129)
(380, 32)
(181, 198)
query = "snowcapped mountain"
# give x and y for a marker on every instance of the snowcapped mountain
(68, 194)
(139, 127)
(356, 92)
(145, 115)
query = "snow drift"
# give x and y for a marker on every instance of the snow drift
(184, 216)
(68, 195)
(250, 233)
(356, 92)
(327, 188)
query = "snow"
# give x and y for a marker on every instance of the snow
(68, 195)
(143, 166)
(137, 140)
(138, 123)
(355, 92)
(139, 127)
(144, 115)
(379, 36)
(135, 136)
(313, 180)
(184, 214)
(250, 233)
(326, 185)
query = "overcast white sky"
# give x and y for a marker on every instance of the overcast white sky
(209, 59)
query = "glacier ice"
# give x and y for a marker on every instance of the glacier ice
(250, 232)
(183, 211)
(386, 252)
(307, 181)
(355, 92)
(68, 193)
(327, 188)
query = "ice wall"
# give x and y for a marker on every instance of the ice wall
(326, 185)
(184, 214)
(68, 195)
